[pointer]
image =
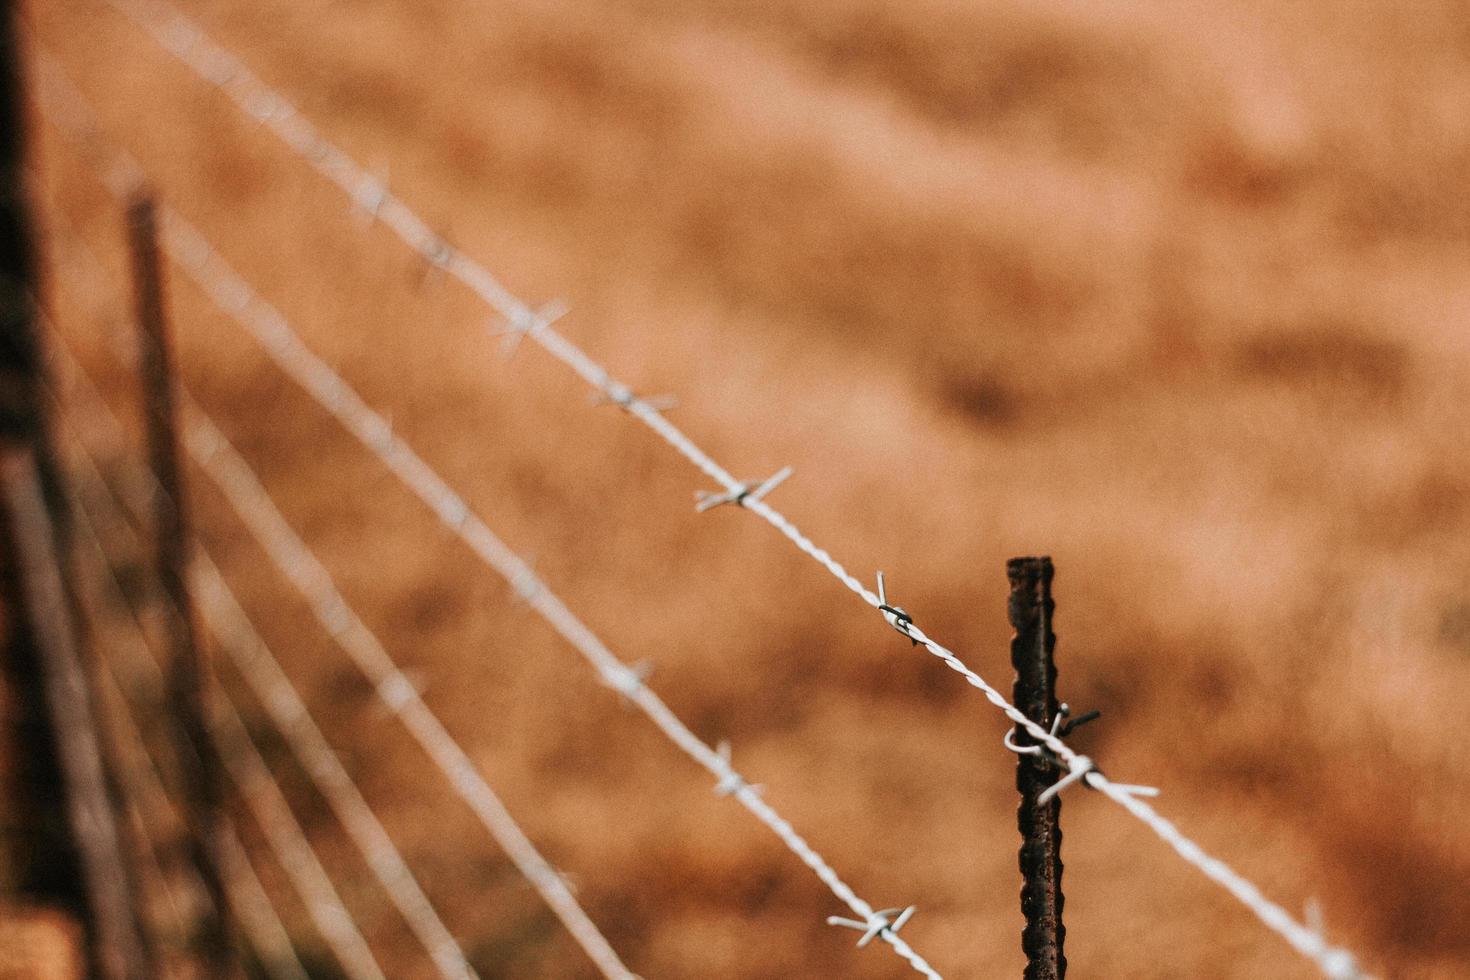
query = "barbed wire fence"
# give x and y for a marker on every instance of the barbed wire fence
(103, 510)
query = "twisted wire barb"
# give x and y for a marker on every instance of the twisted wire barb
(235, 297)
(247, 769)
(263, 926)
(222, 69)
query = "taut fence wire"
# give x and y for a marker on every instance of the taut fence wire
(201, 262)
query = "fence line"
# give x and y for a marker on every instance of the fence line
(248, 771)
(234, 296)
(222, 69)
(227, 620)
(266, 932)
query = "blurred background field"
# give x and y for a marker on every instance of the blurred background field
(1175, 293)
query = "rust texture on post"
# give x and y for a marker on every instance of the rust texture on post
(118, 952)
(1032, 647)
(188, 673)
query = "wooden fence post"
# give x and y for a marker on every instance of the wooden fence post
(188, 672)
(1034, 693)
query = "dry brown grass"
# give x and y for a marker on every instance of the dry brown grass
(1175, 293)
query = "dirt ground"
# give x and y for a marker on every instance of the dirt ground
(1175, 293)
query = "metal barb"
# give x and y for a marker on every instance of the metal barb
(1079, 766)
(731, 782)
(626, 679)
(883, 921)
(742, 492)
(527, 321)
(616, 393)
(896, 616)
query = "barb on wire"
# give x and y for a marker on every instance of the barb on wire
(750, 491)
(1078, 766)
(162, 22)
(732, 782)
(896, 616)
(522, 324)
(613, 392)
(885, 921)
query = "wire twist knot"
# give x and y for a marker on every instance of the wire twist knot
(896, 616)
(884, 921)
(741, 493)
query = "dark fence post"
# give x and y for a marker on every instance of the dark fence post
(118, 952)
(1030, 611)
(188, 673)
(77, 851)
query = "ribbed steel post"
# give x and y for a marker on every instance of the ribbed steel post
(1034, 693)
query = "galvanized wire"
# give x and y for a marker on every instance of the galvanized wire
(186, 41)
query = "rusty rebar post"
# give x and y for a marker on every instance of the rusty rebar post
(188, 671)
(1034, 693)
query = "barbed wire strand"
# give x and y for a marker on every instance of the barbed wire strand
(247, 769)
(237, 299)
(227, 620)
(186, 41)
(264, 929)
